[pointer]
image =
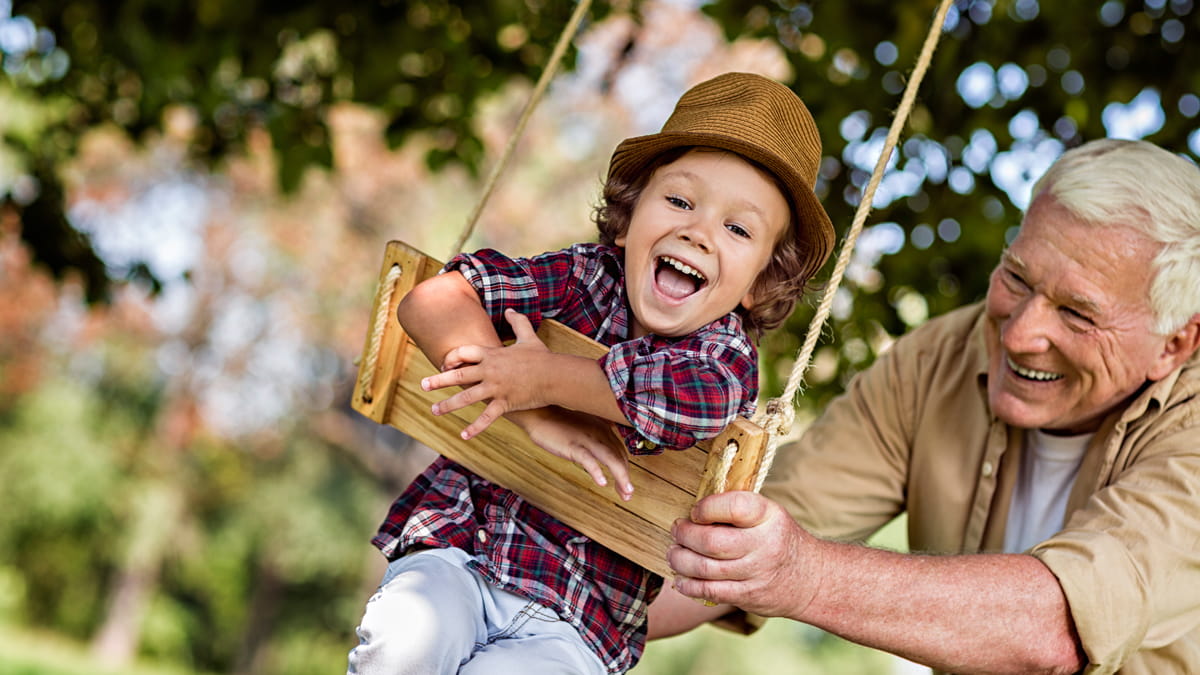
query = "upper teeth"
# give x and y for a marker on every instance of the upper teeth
(683, 267)
(1039, 375)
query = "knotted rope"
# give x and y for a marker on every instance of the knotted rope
(779, 413)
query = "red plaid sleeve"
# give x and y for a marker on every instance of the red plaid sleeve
(576, 286)
(679, 391)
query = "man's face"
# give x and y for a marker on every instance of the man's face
(1069, 323)
(703, 229)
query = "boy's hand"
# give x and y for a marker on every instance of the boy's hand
(506, 377)
(584, 439)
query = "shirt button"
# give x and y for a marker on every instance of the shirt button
(988, 469)
(481, 535)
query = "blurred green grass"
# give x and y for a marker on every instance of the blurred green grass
(781, 647)
(27, 652)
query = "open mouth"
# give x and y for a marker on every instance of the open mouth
(1031, 374)
(676, 278)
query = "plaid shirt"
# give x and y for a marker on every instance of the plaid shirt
(675, 391)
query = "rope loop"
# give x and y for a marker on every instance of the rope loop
(383, 304)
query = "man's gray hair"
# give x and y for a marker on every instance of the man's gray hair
(1136, 183)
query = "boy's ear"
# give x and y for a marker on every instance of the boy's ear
(748, 301)
(621, 239)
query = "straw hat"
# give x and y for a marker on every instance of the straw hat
(759, 119)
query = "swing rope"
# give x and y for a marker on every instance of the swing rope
(543, 82)
(387, 287)
(777, 416)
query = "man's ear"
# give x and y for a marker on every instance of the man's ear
(1178, 348)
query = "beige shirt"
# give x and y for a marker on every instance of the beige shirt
(914, 433)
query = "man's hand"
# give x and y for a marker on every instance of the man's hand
(743, 549)
(586, 440)
(509, 378)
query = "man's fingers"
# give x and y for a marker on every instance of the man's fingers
(740, 509)
(719, 542)
(691, 564)
(711, 593)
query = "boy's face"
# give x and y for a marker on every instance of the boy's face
(703, 229)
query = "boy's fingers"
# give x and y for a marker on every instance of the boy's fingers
(590, 465)
(522, 328)
(485, 419)
(462, 399)
(461, 377)
(460, 355)
(620, 473)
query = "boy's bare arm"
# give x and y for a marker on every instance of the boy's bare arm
(444, 313)
(523, 376)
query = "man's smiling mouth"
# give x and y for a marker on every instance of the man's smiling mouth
(676, 278)
(1030, 374)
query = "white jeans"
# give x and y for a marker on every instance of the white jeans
(433, 615)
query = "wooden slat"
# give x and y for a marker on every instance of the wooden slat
(665, 485)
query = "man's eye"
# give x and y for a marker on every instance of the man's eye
(1078, 316)
(1016, 279)
(678, 202)
(737, 230)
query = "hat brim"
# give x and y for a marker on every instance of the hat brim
(812, 222)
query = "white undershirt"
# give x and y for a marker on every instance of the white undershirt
(1039, 501)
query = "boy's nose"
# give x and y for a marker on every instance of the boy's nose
(696, 236)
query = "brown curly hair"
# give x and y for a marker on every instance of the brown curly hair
(775, 290)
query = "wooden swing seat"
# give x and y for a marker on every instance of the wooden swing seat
(666, 485)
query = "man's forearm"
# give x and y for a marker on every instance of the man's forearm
(965, 613)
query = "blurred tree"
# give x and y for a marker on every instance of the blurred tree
(1013, 83)
(238, 66)
(213, 405)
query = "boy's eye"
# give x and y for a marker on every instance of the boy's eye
(737, 230)
(678, 202)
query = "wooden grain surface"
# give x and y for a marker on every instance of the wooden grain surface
(665, 485)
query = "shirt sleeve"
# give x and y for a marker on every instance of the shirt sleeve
(536, 287)
(1128, 560)
(676, 393)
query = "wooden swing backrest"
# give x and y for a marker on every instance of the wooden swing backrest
(665, 485)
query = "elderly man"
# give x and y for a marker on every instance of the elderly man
(1045, 445)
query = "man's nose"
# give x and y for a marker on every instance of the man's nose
(1027, 328)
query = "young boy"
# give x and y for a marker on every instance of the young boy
(708, 229)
